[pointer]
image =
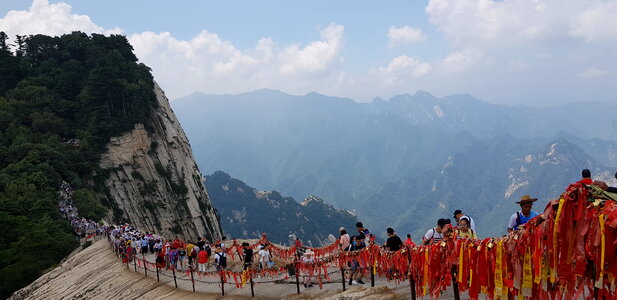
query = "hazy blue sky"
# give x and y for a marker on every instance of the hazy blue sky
(537, 52)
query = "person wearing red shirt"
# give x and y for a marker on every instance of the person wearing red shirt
(202, 260)
(586, 177)
(408, 242)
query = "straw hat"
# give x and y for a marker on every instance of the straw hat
(526, 199)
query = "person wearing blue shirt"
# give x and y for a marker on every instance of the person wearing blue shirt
(524, 215)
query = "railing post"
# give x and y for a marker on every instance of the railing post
(412, 282)
(192, 278)
(343, 277)
(457, 295)
(222, 283)
(173, 270)
(297, 277)
(157, 271)
(250, 270)
(143, 256)
(373, 276)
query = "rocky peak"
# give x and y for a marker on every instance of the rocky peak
(154, 182)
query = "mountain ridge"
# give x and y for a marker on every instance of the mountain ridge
(357, 155)
(246, 212)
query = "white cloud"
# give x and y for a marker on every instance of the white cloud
(461, 61)
(401, 70)
(554, 41)
(211, 64)
(49, 19)
(405, 34)
(597, 24)
(316, 57)
(206, 62)
(518, 22)
(593, 72)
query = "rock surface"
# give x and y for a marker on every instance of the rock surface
(96, 273)
(154, 182)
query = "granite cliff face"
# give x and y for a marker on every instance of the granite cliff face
(153, 181)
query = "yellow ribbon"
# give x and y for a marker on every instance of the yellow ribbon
(527, 274)
(470, 266)
(461, 261)
(375, 267)
(498, 275)
(555, 231)
(538, 269)
(600, 281)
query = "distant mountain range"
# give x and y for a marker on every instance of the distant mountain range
(246, 212)
(404, 162)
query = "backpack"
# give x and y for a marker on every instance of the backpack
(222, 260)
(432, 239)
(518, 219)
(208, 250)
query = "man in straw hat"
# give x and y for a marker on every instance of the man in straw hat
(524, 215)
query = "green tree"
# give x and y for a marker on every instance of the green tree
(53, 89)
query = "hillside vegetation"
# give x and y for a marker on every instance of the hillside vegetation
(61, 99)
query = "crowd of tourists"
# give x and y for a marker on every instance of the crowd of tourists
(74, 142)
(177, 254)
(202, 255)
(82, 227)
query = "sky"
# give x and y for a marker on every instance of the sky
(533, 52)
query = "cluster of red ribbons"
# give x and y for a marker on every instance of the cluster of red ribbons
(567, 251)
(284, 252)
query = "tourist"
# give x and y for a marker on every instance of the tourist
(264, 257)
(463, 230)
(524, 215)
(222, 244)
(356, 274)
(173, 258)
(189, 253)
(435, 234)
(458, 214)
(182, 256)
(202, 260)
(220, 258)
(344, 240)
(408, 242)
(144, 245)
(364, 232)
(586, 174)
(308, 258)
(393, 243)
(248, 255)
